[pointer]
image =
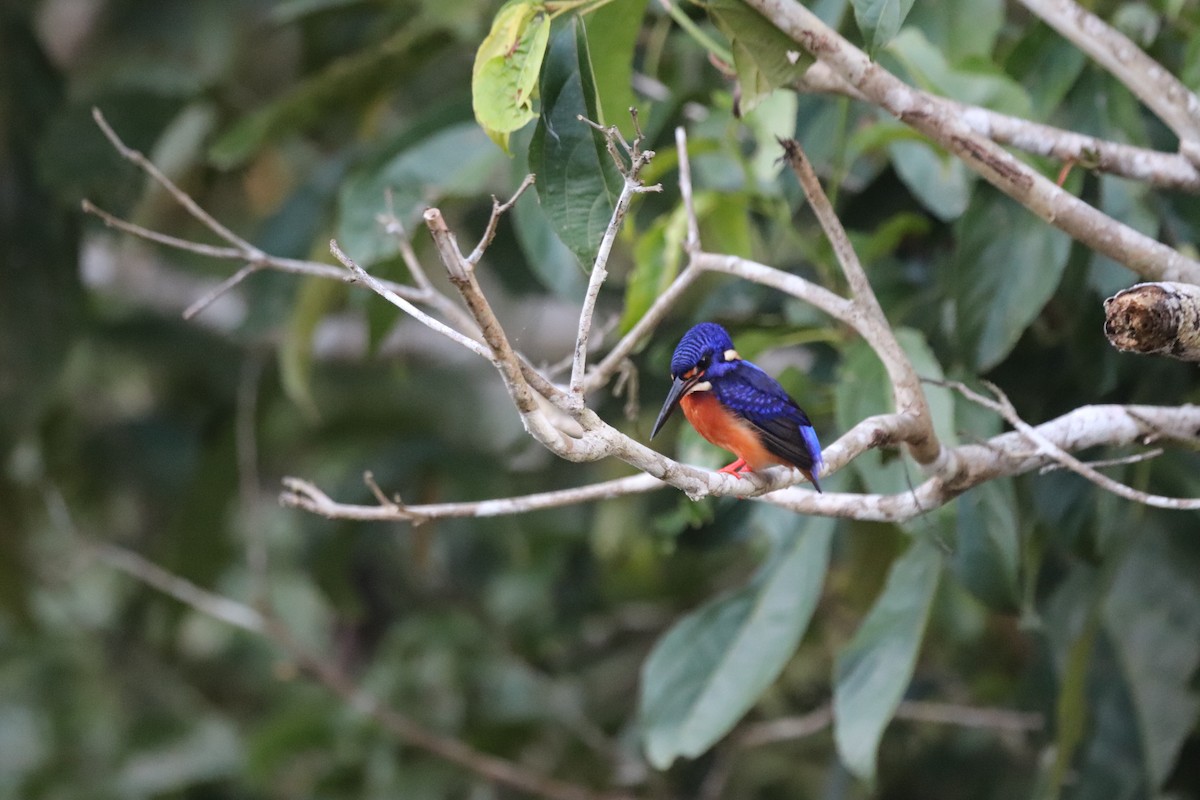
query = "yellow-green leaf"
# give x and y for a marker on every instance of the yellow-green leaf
(505, 76)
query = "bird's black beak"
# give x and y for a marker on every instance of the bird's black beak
(678, 389)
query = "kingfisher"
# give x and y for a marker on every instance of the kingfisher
(737, 406)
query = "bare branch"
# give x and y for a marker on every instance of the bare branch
(638, 159)
(209, 297)
(183, 198)
(906, 386)
(1162, 92)
(487, 767)
(1155, 318)
(1164, 170)
(692, 243)
(512, 368)
(498, 210)
(224, 609)
(942, 123)
(662, 305)
(963, 716)
(374, 284)
(304, 495)
(1003, 406)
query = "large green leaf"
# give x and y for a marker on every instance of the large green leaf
(357, 78)
(1006, 267)
(764, 57)
(547, 257)
(713, 664)
(613, 33)
(1152, 615)
(941, 182)
(576, 178)
(455, 161)
(874, 669)
(658, 254)
(880, 20)
(962, 29)
(507, 65)
(977, 83)
(988, 556)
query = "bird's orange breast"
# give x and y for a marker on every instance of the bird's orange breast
(725, 429)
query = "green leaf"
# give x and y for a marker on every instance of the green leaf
(658, 254)
(547, 257)
(988, 556)
(764, 57)
(613, 33)
(711, 667)
(874, 669)
(316, 298)
(657, 257)
(1006, 267)
(979, 84)
(575, 174)
(453, 162)
(941, 182)
(1152, 614)
(962, 29)
(1047, 66)
(506, 69)
(357, 78)
(880, 20)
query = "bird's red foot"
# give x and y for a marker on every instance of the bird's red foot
(736, 468)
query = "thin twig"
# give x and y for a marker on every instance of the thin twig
(498, 210)
(211, 296)
(305, 495)
(638, 159)
(183, 198)
(377, 286)
(1110, 462)
(906, 386)
(1004, 407)
(692, 243)
(224, 609)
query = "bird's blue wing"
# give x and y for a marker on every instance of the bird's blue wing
(759, 399)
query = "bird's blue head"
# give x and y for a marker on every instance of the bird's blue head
(705, 344)
(705, 352)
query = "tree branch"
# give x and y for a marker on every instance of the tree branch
(638, 159)
(1155, 319)
(1044, 446)
(908, 395)
(1161, 92)
(941, 122)
(1163, 170)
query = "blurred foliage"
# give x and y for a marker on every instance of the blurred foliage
(528, 637)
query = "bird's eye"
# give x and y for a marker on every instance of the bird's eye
(703, 363)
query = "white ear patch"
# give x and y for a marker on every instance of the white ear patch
(732, 355)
